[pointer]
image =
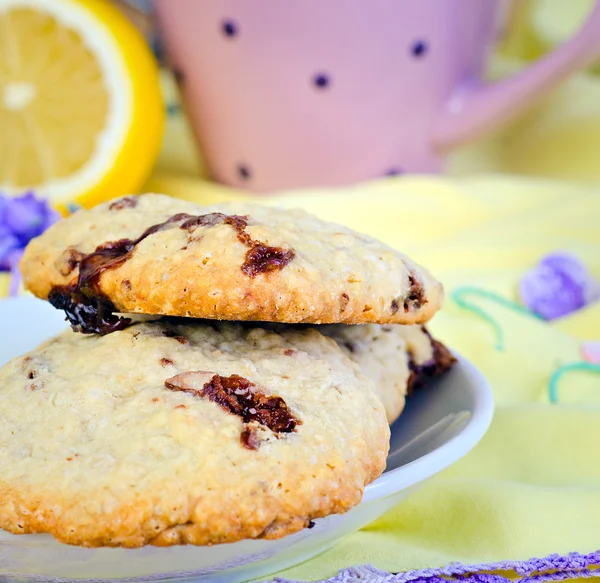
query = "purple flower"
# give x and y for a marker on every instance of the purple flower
(26, 216)
(21, 219)
(8, 243)
(558, 285)
(13, 262)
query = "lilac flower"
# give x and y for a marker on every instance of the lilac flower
(21, 219)
(558, 285)
(8, 243)
(26, 216)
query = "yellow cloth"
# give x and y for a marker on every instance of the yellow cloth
(532, 487)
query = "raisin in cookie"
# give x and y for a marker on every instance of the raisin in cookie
(154, 254)
(399, 359)
(168, 433)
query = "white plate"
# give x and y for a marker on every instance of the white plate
(439, 426)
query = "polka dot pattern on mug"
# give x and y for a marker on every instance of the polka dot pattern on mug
(243, 172)
(393, 172)
(419, 49)
(321, 81)
(229, 28)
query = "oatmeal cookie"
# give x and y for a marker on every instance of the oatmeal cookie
(154, 254)
(172, 433)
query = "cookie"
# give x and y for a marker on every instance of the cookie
(168, 433)
(157, 255)
(399, 359)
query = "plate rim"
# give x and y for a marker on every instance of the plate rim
(430, 464)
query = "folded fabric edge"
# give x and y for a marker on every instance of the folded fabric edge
(551, 568)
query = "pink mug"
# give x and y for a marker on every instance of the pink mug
(295, 93)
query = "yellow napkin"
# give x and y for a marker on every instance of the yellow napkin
(532, 487)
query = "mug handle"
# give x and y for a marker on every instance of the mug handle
(476, 108)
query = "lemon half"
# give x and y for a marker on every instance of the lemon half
(81, 112)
